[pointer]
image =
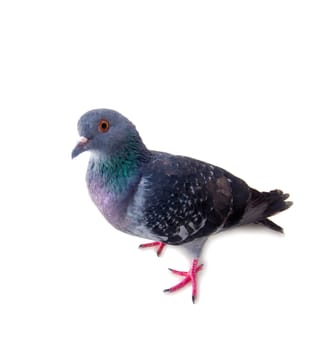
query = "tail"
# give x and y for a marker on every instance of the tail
(261, 205)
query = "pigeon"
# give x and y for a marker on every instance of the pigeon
(165, 198)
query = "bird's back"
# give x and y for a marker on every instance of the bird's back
(180, 199)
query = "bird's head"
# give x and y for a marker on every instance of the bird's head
(104, 131)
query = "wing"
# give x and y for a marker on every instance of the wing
(183, 199)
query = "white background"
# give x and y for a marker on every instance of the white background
(235, 83)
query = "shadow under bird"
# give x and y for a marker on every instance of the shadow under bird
(162, 197)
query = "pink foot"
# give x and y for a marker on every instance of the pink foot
(189, 276)
(159, 246)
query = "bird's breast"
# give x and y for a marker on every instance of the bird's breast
(111, 205)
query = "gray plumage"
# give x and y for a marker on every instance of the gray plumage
(162, 197)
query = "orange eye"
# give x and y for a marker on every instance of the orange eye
(103, 125)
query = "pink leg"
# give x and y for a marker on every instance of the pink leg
(159, 246)
(189, 276)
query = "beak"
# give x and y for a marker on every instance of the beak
(80, 147)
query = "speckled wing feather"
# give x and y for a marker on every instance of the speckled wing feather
(185, 199)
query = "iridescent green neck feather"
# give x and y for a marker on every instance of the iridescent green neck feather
(117, 171)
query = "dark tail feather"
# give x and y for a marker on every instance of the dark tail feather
(271, 225)
(261, 205)
(276, 202)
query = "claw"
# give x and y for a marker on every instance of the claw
(189, 276)
(159, 246)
